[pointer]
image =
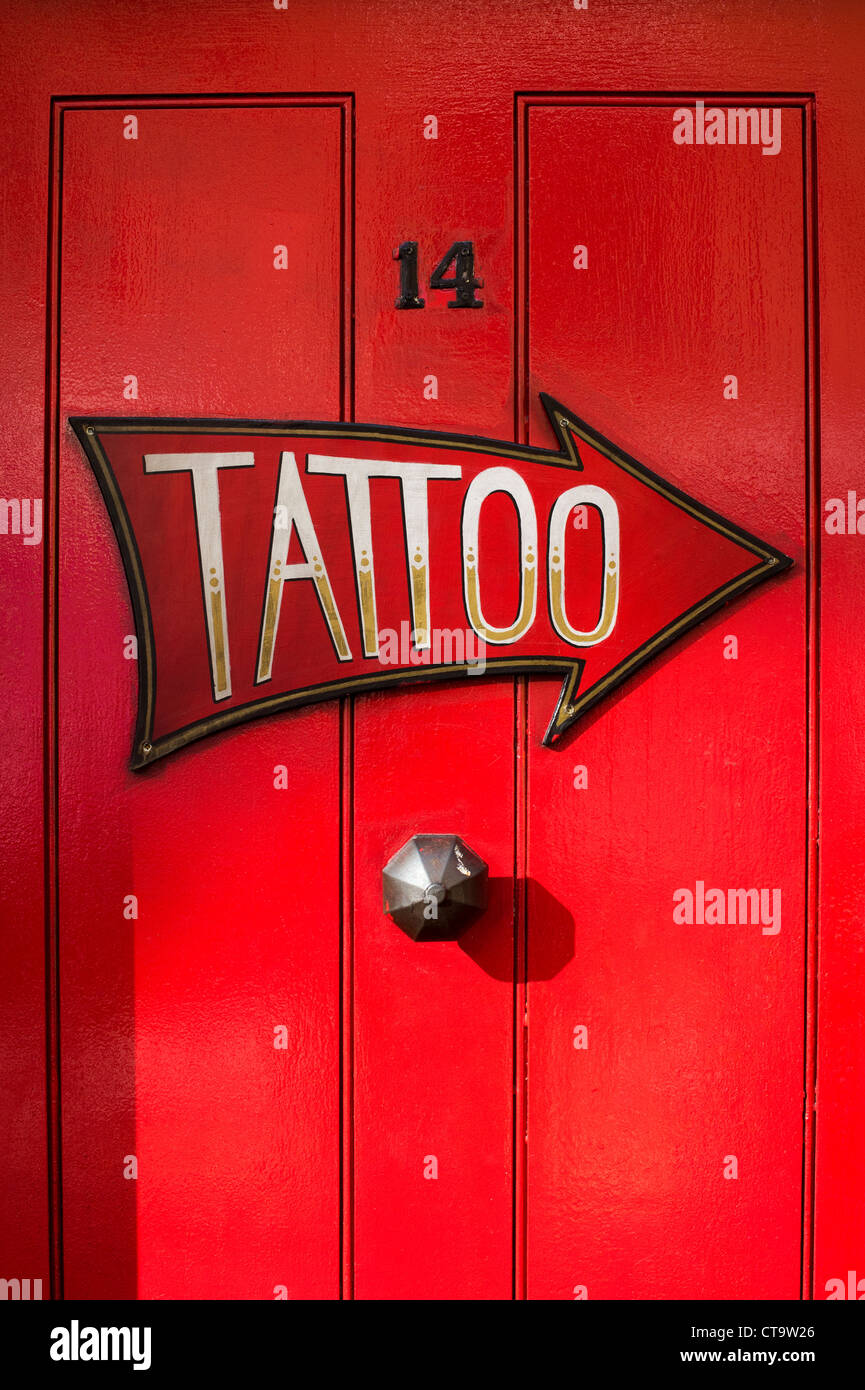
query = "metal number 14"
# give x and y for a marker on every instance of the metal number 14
(463, 282)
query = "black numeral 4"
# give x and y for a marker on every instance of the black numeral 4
(462, 257)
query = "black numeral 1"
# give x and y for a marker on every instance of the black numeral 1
(408, 287)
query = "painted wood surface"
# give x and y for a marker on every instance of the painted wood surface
(303, 1168)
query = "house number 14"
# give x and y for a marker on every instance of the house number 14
(463, 282)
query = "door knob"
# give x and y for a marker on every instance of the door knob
(434, 887)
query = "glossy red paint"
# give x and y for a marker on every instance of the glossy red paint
(302, 1168)
(668, 1007)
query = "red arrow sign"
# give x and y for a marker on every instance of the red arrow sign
(273, 565)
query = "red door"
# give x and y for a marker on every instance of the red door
(259, 1087)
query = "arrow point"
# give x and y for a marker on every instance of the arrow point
(561, 420)
(565, 712)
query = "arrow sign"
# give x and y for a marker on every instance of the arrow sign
(272, 565)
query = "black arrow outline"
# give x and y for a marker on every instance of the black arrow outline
(568, 429)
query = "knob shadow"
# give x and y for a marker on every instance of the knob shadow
(549, 928)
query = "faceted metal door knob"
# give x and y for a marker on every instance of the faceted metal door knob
(435, 887)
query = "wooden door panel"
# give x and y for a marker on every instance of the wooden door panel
(433, 1022)
(695, 771)
(433, 1060)
(168, 1020)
